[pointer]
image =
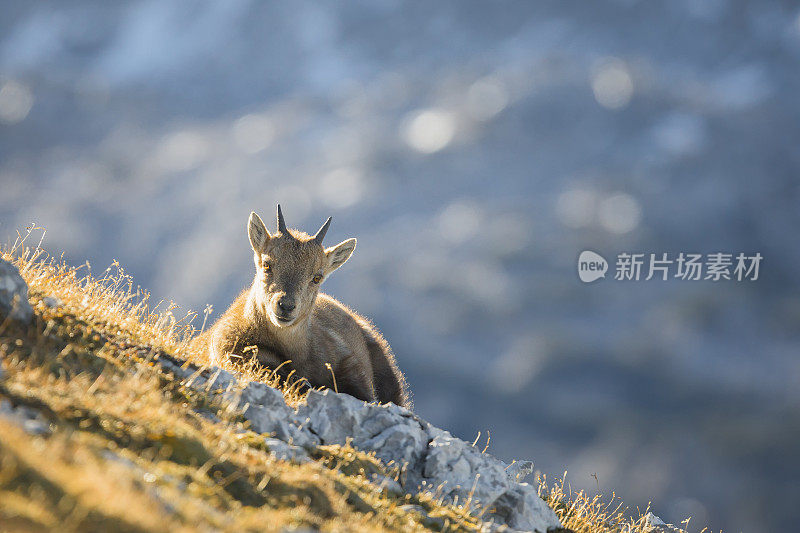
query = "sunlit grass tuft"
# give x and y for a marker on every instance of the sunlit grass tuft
(582, 512)
(112, 302)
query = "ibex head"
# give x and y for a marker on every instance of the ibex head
(290, 266)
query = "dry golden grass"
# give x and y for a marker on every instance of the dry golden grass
(582, 512)
(112, 303)
(131, 450)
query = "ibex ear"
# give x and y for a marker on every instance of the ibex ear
(257, 231)
(339, 254)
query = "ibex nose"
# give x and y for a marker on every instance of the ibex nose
(286, 305)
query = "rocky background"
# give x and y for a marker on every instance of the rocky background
(474, 149)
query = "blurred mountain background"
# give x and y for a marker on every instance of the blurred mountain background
(474, 149)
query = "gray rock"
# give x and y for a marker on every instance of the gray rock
(281, 426)
(208, 415)
(653, 524)
(212, 380)
(332, 417)
(429, 458)
(403, 445)
(219, 379)
(519, 470)
(395, 435)
(175, 368)
(287, 452)
(29, 419)
(426, 519)
(387, 484)
(52, 302)
(14, 294)
(465, 472)
(521, 508)
(256, 393)
(411, 508)
(263, 406)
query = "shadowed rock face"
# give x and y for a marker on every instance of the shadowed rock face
(13, 294)
(431, 458)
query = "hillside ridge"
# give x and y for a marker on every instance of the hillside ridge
(87, 371)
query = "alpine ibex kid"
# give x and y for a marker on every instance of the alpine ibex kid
(283, 319)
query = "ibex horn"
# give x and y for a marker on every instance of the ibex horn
(322, 231)
(281, 222)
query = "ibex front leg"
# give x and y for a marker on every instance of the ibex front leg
(271, 360)
(350, 377)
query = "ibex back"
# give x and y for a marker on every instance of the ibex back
(283, 319)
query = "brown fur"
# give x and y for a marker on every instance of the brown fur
(321, 330)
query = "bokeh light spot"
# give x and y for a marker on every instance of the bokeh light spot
(459, 221)
(619, 213)
(612, 84)
(430, 130)
(516, 368)
(681, 134)
(182, 151)
(253, 133)
(575, 208)
(16, 101)
(342, 187)
(486, 98)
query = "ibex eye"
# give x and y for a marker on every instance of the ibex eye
(317, 278)
(267, 267)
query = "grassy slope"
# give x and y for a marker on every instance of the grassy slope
(131, 450)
